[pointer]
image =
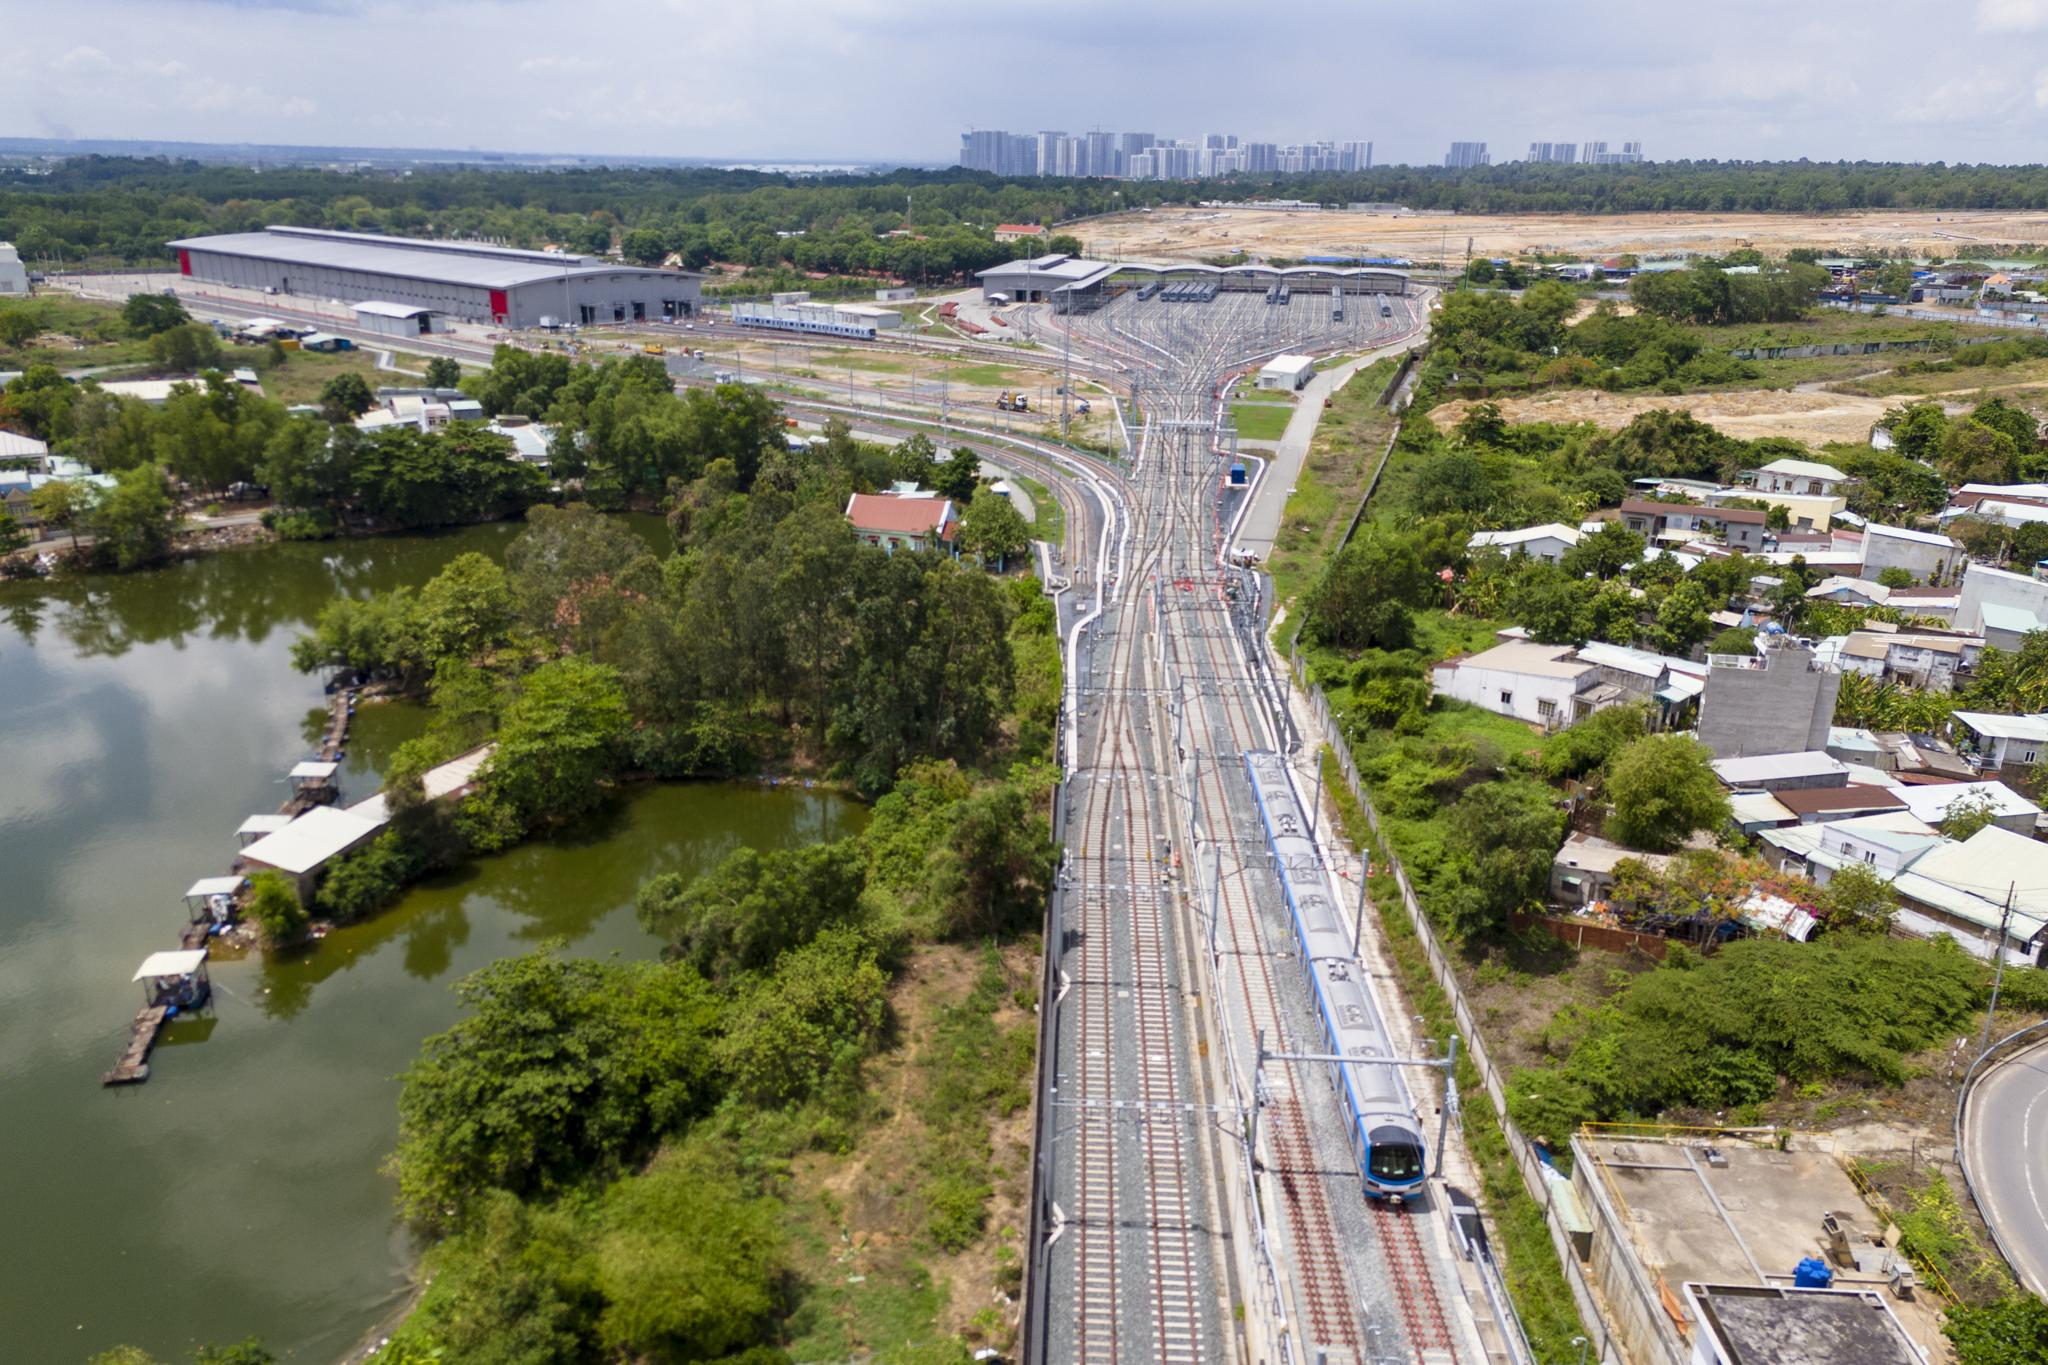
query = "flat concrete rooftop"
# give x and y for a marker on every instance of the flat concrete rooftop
(1746, 1215)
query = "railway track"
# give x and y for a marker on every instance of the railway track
(1362, 1283)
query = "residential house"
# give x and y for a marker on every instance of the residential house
(903, 523)
(1019, 232)
(1983, 586)
(1547, 542)
(1804, 770)
(1582, 874)
(1741, 528)
(1908, 758)
(1778, 701)
(1541, 684)
(2009, 810)
(1928, 556)
(1991, 882)
(1968, 497)
(1849, 592)
(1805, 478)
(2011, 745)
(1669, 686)
(1885, 844)
(1810, 492)
(2006, 627)
(24, 452)
(1821, 805)
(1931, 662)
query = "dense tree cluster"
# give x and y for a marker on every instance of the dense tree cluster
(1718, 1033)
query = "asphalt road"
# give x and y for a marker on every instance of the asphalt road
(1262, 524)
(2006, 1134)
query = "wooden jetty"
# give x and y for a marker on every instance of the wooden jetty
(172, 982)
(133, 1068)
(175, 982)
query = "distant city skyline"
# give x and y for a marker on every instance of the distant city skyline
(1147, 156)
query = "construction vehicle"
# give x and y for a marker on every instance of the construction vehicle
(1023, 403)
(653, 348)
(1003, 400)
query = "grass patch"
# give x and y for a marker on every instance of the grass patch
(1348, 440)
(1260, 421)
(990, 376)
(1050, 522)
(1938, 1231)
(100, 337)
(1535, 1278)
(304, 373)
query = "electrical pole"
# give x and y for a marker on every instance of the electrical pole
(1998, 976)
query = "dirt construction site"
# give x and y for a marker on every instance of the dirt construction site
(1191, 233)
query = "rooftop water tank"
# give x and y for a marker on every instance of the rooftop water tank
(1812, 1273)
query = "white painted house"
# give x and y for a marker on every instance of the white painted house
(1540, 684)
(1547, 542)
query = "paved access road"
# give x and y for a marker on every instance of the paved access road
(2005, 1133)
(1262, 524)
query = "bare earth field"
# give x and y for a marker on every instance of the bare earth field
(1816, 418)
(1193, 233)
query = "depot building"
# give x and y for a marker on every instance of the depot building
(470, 281)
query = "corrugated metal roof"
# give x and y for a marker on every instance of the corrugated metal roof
(379, 309)
(397, 257)
(1740, 772)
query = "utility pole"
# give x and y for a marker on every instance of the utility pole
(1998, 976)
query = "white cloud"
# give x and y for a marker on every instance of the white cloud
(84, 60)
(2011, 16)
(901, 78)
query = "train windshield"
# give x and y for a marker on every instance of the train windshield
(1397, 1160)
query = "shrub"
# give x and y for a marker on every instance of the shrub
(274, 905)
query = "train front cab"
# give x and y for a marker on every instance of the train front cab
(1393, 1165)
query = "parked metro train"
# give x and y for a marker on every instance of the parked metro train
(1386, 1139)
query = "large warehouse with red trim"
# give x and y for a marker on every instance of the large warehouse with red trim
(472, 281)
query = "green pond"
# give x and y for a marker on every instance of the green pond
(239, 1190)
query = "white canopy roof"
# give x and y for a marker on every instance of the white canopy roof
(215, 886)
(315, 768)
(176, 962)
(264, 824)
(312, 839)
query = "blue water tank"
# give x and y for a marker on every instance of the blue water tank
(1812, 1273)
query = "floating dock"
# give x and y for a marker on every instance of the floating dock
(133, 1068)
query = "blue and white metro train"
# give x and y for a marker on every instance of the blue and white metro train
(1386, 1140)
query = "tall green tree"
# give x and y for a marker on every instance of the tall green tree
(754, 906)
(132, 522)
(346, 397)
(561, 737)
(992, 530)
(63, 504)
(560, 1067)
(147, 314)
(1660, 789)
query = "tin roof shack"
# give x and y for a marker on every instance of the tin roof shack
(1582, 873)
(1540, 684)
(1737, 1214)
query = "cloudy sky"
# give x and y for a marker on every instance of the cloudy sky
(899, 79)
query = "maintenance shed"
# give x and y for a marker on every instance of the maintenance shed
(473, 281)
(394, 319)
(1287, 371)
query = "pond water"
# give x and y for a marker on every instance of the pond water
(238, 1191)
